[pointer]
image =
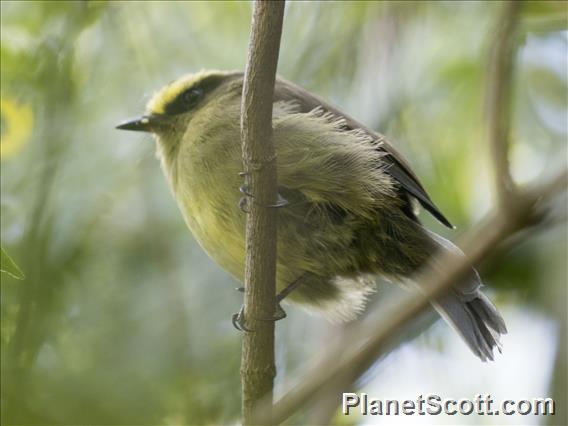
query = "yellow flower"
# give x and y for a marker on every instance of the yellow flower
(17, 125)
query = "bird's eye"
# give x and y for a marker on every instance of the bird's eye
(191, 96)
(185, 101)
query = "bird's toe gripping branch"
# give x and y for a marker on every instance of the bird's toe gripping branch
(238, 319)
(245, 189)
(243, 202)
(239, 322)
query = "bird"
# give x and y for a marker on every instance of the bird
(349, 213)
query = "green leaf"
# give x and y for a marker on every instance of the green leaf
(8, 266)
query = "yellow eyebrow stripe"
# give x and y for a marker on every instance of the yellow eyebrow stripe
(163, 97)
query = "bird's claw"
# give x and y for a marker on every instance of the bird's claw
(280, 202)
(238, 320)
(279, 314)
(244, 189)
(243, 205)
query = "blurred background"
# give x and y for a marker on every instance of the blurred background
(122, 319)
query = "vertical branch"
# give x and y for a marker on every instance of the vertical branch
(259, 159)
(498, 98)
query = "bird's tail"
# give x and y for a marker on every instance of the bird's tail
(469, 311)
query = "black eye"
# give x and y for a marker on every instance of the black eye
(185, 101)
(191, 96)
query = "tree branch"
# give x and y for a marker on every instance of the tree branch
(257, 364)
(498, 98)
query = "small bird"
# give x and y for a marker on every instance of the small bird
(349, 214)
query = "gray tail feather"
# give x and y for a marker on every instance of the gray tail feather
(477, 322)
(470, 312)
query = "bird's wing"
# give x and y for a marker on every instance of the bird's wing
(398, 167)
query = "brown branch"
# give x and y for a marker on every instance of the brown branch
(257, 364)
(498, 99)
(553, 186)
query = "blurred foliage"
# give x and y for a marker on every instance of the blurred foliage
(18, 124)
(122, 319)
(9, 267)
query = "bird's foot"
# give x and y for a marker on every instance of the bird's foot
(239, 322)
(243, 202)
(279, 314)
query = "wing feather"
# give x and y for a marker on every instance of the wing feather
(398, 167)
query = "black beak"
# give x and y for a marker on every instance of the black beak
(146, 123)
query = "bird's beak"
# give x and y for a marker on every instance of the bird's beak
(146, 123)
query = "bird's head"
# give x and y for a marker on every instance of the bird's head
(173, 106)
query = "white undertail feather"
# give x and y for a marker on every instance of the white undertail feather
(349, 303)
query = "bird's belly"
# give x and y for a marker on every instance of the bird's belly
(219, 230)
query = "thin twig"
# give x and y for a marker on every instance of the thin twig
(257, 364)
(498, 99)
